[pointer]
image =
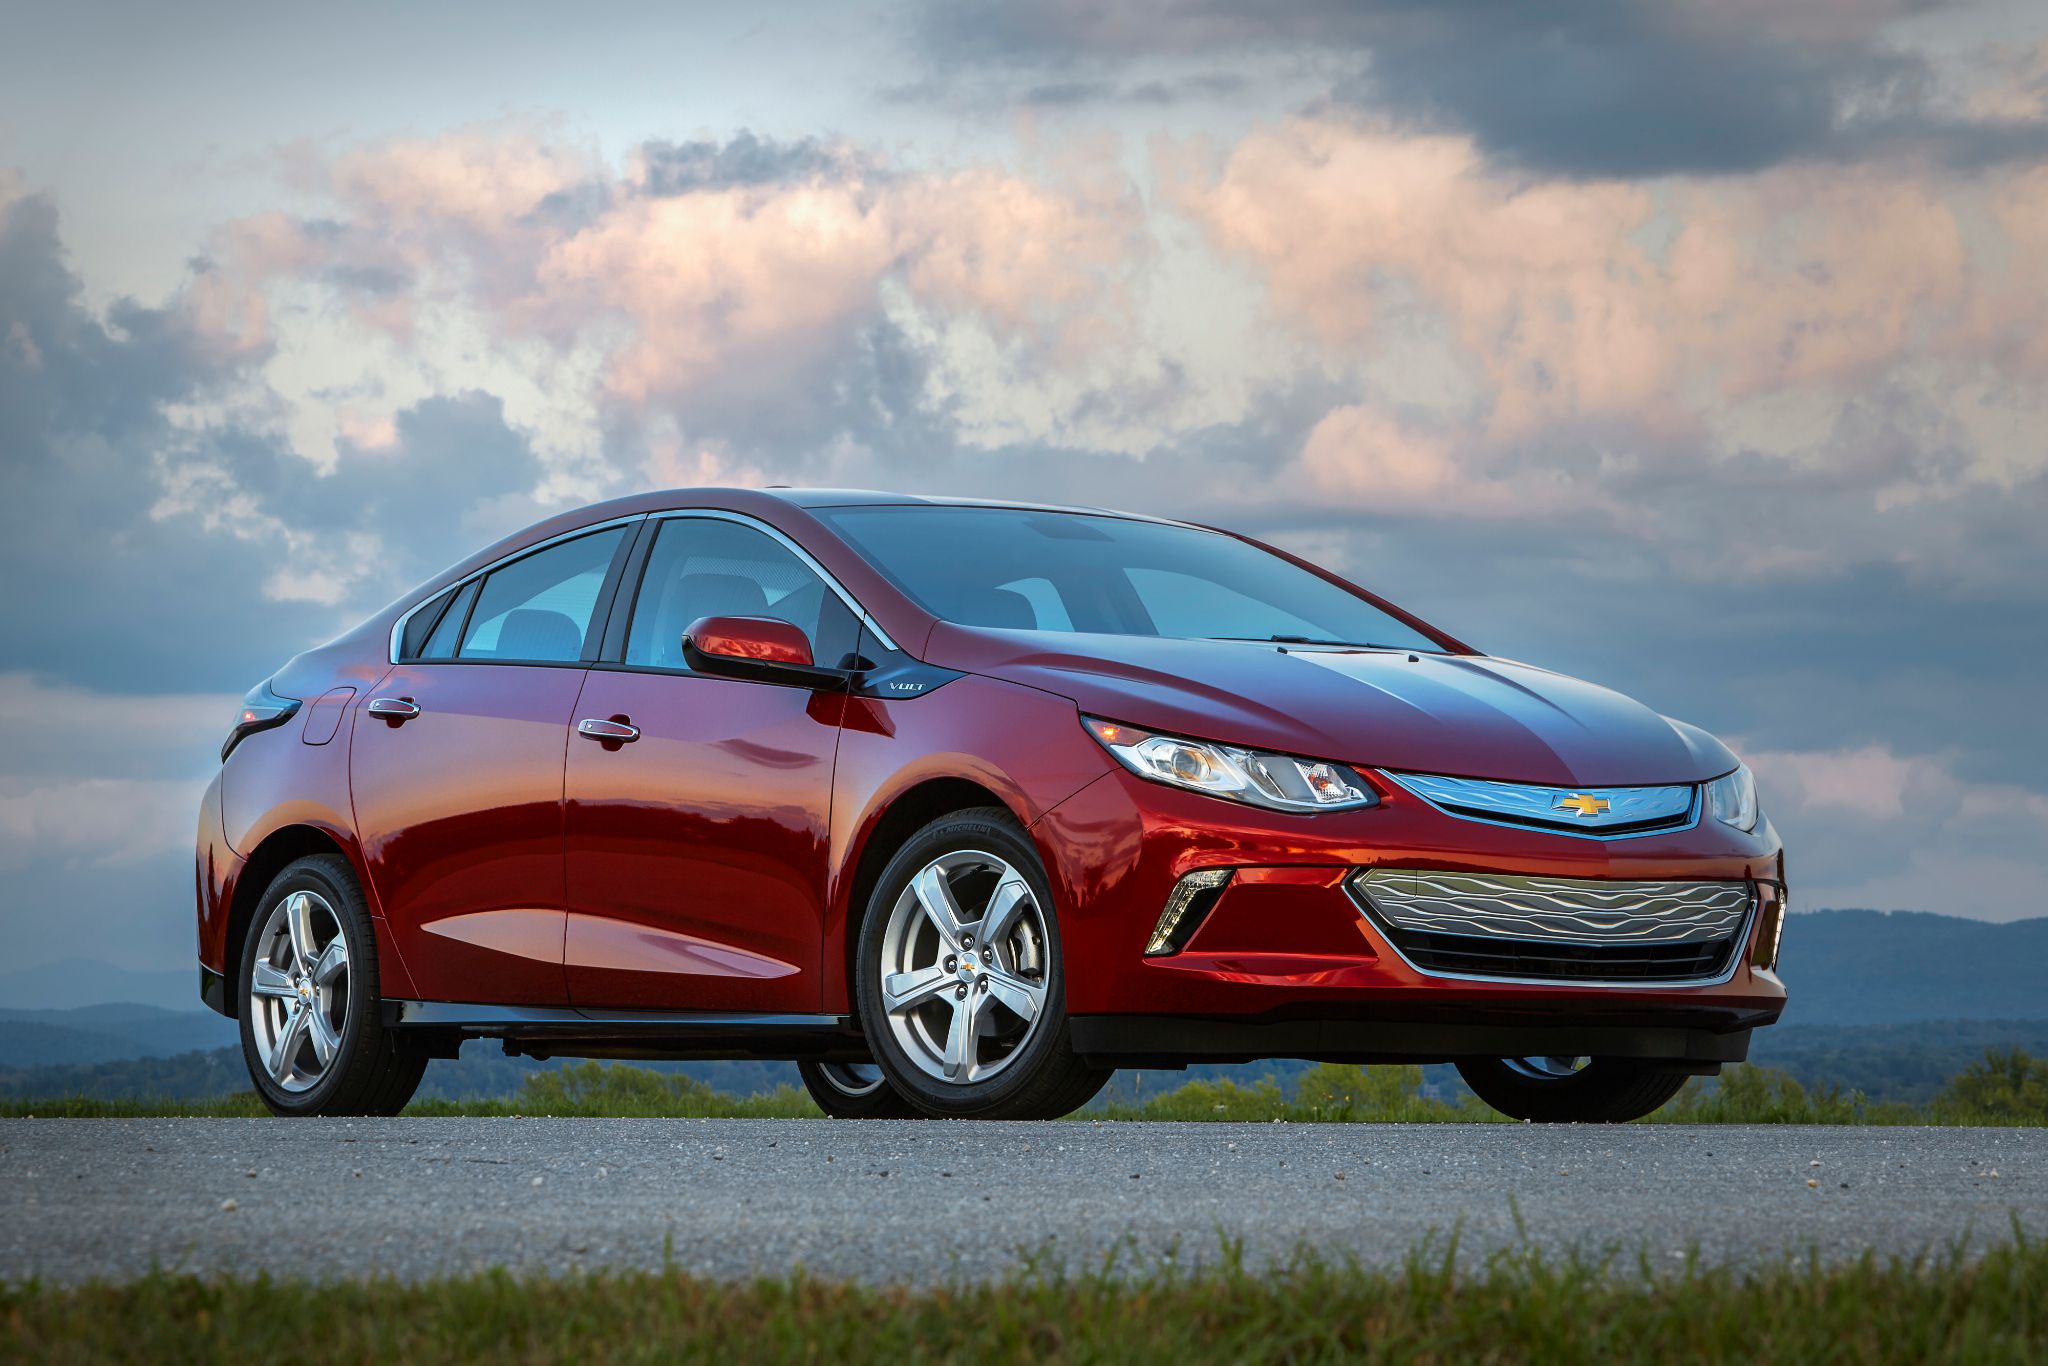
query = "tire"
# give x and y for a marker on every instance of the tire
(368, 1070)
(1001, 1063)
(1602, 1091)
(853, 1091)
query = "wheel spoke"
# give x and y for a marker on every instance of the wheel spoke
(1024, 997)
(903, 991)
(936, 897)
(963, 1041)
(298, 923)
(270, 980)
(325, 1041)
(1001, 915)
(288, 1041)
(333, 962)
(993, 1009)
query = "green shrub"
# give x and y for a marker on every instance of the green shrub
(1748, 1094)
(2007, 1087)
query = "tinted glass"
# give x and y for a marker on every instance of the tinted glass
(448, 631)
(420, 623)
(1008, 567)
(702, 567)
(540, 608)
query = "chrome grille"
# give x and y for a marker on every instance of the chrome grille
(1562, 929)
(1588, 812)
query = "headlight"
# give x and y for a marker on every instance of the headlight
(1732, 799)
(1278, 781)
(260, 710)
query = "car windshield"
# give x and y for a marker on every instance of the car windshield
(1061, 571)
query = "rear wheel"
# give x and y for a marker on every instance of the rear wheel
(959, 978)
(1565, 1090)
(312, 1035)
(853, 1090)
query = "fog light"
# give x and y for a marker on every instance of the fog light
(1194, 896)
(1772, 930)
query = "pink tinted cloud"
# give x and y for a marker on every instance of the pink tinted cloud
(734, 289)
(1657, 303)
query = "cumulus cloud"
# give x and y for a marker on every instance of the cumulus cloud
(185, 536)
(803, 303)
(1590, 88)
(663, 167)
(1871, 826)
(1807, 326)
(767, 298)
(1563, 293)
(96, 820)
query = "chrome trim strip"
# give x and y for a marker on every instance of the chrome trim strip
(1369, 914)
(852, 603)
(398, 626)
(1532, 803)
(1534, 910)
(711, 514)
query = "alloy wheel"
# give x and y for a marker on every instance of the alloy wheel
(1545, 1069)
(298, 990)
(964, 967)
(854, 1078)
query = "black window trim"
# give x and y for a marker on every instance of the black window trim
(428, 614)
(466, 593)
(600, 615)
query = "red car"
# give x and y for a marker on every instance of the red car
(961, 806)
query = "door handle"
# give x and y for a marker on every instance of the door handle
(396, 710)
(607, 733)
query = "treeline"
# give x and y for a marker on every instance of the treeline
(2007, 1087)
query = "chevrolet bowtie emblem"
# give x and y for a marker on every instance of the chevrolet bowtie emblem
(1582, 804)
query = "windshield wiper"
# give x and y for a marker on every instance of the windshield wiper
(1307, 640)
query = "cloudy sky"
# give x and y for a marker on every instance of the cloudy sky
(1696, 346)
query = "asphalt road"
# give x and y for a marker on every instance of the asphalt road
(921, 1202)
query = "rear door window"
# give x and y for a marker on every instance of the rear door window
(542, 607)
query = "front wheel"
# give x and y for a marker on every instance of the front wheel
(307, 991)
(1559, 1090)
(959, 977)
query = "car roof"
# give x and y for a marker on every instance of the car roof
(841, 498)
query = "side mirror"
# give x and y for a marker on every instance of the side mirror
(763, 649)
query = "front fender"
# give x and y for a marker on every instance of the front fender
(1024, 746)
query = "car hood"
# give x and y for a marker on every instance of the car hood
(1468, 716)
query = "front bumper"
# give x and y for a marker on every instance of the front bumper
(1286, 962)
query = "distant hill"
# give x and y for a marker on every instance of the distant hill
(108, 1033)
(1878, 967)
(1907, 1062)
(83, 981)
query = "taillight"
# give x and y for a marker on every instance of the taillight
(260, 710)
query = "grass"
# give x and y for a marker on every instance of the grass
(1518, 1306)
(588, 1090)
(2007, 1088)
